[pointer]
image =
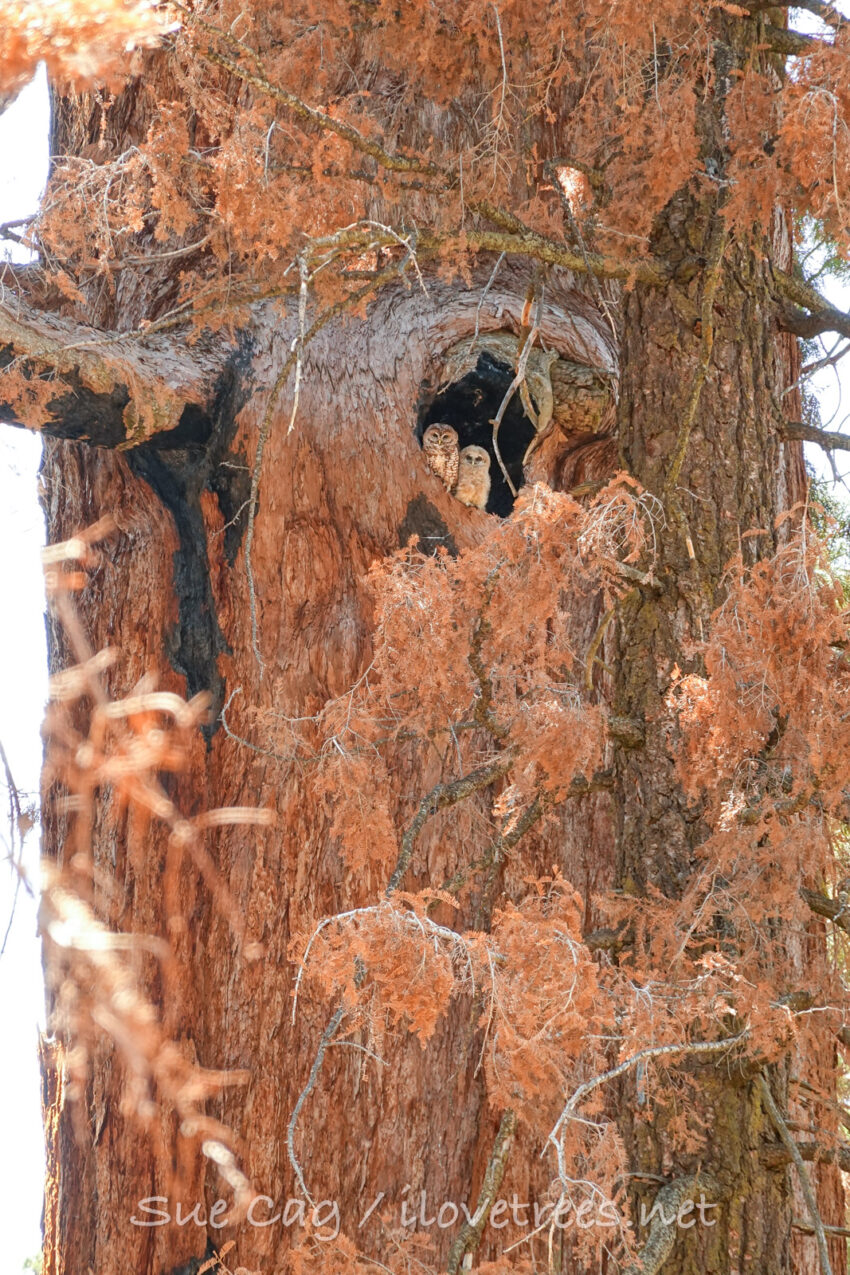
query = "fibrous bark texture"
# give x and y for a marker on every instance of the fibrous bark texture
(252, 584)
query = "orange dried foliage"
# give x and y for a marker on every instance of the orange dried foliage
(762, 729)
(776, 675)
(478, 660)
(331, 124)
(80, 40)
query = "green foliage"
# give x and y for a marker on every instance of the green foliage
(820, 254)
(829, 514)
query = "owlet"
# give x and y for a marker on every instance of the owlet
(439, 443)
(473, 478)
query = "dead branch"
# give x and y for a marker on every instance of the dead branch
(642, 1055)
(805, 1181)
(519, 240)
(826, 12)
(395, 163)
(441, 796)
(822, 315)
(526, 344)
(792, 44)
(829, 440)
(665, 1212)
(833, 909)
(776, 1157)
(513, 830)
(327, 1036)
(470, 1233)
(16, 831)
(808, 1229)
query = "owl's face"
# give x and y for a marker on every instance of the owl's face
(440, 438)
(476, 459)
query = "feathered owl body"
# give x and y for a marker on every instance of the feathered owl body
(439, 443)
(473, 478)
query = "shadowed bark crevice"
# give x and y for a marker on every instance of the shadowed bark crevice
(423, 520)
(179, 467)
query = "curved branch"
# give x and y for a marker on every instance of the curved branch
(328, 1034)
(665, 1216)
(470, 1233)
(826, 12)
(833, 909)
(515, 237)
(653, 1051)
(395, 163)
(441, 796)
(822, 316)
(793, 44)
(777, 1157)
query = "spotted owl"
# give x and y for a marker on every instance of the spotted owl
(473, 478)
(439, 443)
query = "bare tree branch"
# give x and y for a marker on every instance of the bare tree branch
(775, 1157)
(833, 909)
(643, 1055)
(515, 237)
(829, 440)
(826, 12)
(665, 1212)
(395, 163)
(441, 796)
(822, 317)
(808, 1229)
(805, 1181)
(793, 43)
(470, 1233)
(327, 1037)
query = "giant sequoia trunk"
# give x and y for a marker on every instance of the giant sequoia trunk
(345, 486)
(735, 476)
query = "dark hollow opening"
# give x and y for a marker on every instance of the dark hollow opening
(469, 405)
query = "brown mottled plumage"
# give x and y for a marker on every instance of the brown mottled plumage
(439, 443)
(473, 479)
